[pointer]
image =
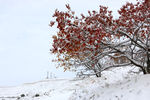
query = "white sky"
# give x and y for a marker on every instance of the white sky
(25, 36)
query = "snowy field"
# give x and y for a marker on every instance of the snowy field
(115, 85)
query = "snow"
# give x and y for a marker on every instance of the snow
(117, 84)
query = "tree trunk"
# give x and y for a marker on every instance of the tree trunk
(144, 71)
(148, 66)
(148, 63)
(99, 69)
(97, 75)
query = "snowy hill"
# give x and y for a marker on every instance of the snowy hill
(104, 88)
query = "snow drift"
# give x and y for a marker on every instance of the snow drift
(104, 88)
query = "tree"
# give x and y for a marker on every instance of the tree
(96, 41)
(134, 24)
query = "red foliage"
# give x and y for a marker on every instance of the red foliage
(147, 2)
(132, 16)
(75, 35)
(79, 35)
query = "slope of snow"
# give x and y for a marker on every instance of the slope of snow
(109, 87)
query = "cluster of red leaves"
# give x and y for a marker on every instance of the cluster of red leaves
(77, 36)
(132, 16)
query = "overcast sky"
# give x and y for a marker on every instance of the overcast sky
(25, 37)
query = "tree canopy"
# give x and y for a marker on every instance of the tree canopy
(99, 42)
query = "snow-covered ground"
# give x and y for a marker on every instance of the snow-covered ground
(113, 85)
